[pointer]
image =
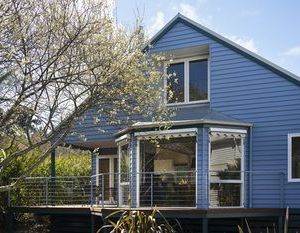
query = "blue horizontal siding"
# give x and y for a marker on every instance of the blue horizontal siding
(97, 131)
(247, 91)
(271, 103)
(241, 89)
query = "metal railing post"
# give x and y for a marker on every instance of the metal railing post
(118, 189)
(250, 194)
(92, 194)
(102, 191)
(47, 191)
(196, 186)
(207, 195)
(151, 189)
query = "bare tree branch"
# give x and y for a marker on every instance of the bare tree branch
(60, 59)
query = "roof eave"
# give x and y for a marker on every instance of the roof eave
(148, 125)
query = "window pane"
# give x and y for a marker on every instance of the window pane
(124, 166)
(225, 195)
(225, 161)
(174, 154)
(176, 83)
(296, 157)
(167, 175)
(198, 80)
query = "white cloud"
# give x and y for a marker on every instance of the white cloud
(294, 52)
(247, 43)
(190, 12)
(156, 23)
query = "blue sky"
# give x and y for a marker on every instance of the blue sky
(271, 28)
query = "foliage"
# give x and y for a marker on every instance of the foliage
(285, 227)
(69, 162)
(135, 221)
(60, 59)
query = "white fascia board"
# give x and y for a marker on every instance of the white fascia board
(228, 130)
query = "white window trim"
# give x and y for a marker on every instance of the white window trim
(241, 181)
(138, 168)
(120, 194)
(186, 80)
(290, 178)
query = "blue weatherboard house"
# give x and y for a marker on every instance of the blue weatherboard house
(234, 146)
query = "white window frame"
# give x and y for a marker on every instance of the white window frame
(290, 160)
(172, 131)
(124, 141)
(241, 181)
(187, 80)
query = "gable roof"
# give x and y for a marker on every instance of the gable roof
(179, 18)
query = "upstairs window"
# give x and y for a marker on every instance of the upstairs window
(188, 81)
(294, 157)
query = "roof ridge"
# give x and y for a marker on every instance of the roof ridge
(229, 43)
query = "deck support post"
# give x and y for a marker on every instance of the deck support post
(280, 224)
(204, 225)
(92, 223)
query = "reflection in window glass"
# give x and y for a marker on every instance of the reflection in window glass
(198, 80)
(124, 163)
(167, 168)
(225, 166)
(295, 157)
(225, 160)
(124, 175)
(176, 82)
(225, 194)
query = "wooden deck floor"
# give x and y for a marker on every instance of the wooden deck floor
(167, 212)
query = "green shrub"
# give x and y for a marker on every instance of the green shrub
(135, 221)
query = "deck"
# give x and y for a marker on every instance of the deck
(167, 212)
(199, 220)
(95, 198)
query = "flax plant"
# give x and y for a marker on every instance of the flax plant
(136, 221)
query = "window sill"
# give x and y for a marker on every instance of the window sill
(187, 103)
(294, 180)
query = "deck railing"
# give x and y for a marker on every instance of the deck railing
(162, 189)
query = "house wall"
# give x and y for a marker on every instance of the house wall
(244, 89)
(91, 128)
